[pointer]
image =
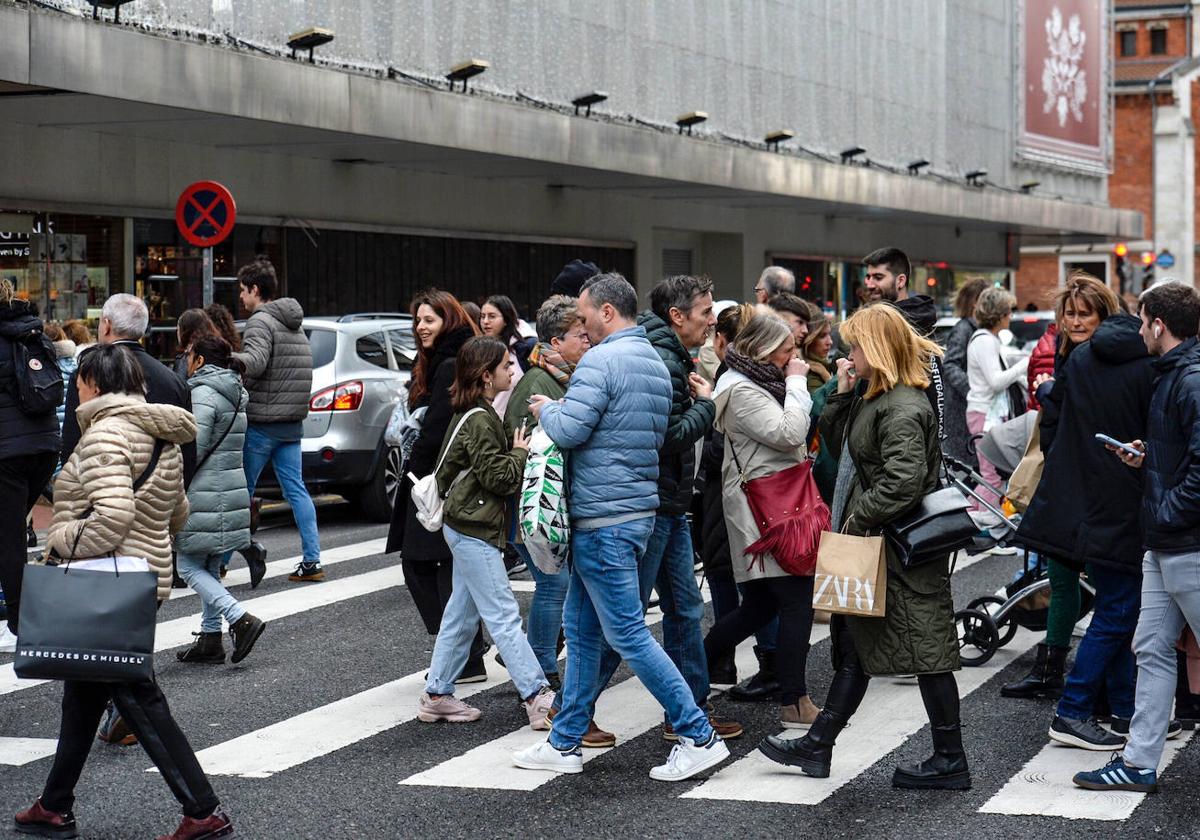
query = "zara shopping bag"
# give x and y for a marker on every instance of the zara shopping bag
(851, 576)
(88, 620)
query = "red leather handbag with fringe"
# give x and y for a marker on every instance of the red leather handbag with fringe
(790, 515)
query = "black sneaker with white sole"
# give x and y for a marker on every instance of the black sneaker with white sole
(1121, 727)
(307, 573)
(1085, 734)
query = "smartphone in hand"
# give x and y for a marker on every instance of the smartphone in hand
(1111, 441)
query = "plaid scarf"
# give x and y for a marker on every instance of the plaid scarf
(544, 356)
(763, 374)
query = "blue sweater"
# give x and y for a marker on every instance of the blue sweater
(613, 420)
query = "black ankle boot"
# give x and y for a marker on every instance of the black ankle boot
(723, 671)
(256, 560)
(1045, 679)
(813, 753)
(762, 686)
(206, 648)
(946, 769)
(245, 632)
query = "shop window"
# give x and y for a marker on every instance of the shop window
(1158, 41)
(371, 348)
(1128, 42)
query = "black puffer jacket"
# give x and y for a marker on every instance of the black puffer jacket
(714, 538)
(1086, 508)
(20, 433)
(690, 420)
(921, 312)
(954, 371)
(1171, 502)
(406, 532)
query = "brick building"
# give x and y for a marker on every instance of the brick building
(1156, 69)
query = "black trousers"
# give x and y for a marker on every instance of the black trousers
(145, 711)
(430, 583)
(21, 482)
(790, 598)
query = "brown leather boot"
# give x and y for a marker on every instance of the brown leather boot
(212, 827)
(42, 822)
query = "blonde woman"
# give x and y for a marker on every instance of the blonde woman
(883, 423)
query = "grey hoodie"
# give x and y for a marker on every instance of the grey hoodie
(278, 363)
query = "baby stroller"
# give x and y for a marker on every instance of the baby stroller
(990, 622)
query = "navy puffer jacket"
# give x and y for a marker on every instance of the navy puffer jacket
(613, 419)
(1171, 503)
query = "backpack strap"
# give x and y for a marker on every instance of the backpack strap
(450, 442)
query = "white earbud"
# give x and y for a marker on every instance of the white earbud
(1158, 332)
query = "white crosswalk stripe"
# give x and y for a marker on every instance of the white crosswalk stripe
(1044, 787)
(18, 751)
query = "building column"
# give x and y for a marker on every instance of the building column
(1174, 190)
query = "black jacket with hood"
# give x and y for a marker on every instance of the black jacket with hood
(1086, 508)
(20, 433)
(1171, 504)
(921, 312)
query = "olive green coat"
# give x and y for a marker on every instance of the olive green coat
(893, 439)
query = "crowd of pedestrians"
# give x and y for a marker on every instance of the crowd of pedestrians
(666, 415)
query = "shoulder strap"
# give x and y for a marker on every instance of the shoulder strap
(217, 445)
(453, 435)
(159, 445)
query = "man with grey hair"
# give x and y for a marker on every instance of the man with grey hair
(613, 420)
(124, 320)
(774, 280)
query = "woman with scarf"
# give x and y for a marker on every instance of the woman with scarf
(763, 409)
(498, 318)
(817, 345)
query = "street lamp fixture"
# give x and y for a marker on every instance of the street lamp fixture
(690, 119)
(1030, 186)
(916, 166)
(115, 5)
(466, 70)
(588, 100)
(975, 177)
(776, 137)
(309, 40)
(848, 155)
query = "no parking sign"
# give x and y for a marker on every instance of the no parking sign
(205, 214)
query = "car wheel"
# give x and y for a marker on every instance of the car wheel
(376, 498)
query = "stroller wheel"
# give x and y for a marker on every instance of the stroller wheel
(989, 604)
(978, 637)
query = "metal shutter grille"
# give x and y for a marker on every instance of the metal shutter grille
(676, 261)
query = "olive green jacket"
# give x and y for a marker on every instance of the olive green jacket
(535, 381)
(893, 439)
(477, 505)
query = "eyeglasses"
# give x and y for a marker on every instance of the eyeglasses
(581, 335)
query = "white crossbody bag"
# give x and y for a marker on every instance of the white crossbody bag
(425, 495)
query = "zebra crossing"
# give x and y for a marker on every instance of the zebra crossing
(891, 717)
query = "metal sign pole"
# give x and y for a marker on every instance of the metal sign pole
(207, 263)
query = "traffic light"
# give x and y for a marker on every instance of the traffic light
(1121, 250)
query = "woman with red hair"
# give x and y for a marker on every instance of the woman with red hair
(441, 327)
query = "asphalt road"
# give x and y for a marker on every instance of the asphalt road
(314, 736)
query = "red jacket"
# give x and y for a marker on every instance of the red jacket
(1041, 361)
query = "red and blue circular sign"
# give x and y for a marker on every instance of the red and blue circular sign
(205, 214)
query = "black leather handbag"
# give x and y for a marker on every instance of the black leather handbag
(939, 525)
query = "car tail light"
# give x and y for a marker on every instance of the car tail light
(345, 397)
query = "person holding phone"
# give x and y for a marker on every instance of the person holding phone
(1169, 464)
(1085, 515)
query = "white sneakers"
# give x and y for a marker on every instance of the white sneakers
(538, 709)
(545, 756)
(688, 758)
(8, 642)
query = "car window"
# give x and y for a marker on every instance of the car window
(404, 347)
(371, 348)
(1028, 330)
(323, 344)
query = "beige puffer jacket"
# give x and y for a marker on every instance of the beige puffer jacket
(117, 442)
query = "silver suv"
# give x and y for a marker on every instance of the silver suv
(361, 365)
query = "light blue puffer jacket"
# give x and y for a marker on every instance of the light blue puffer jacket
(220, 517)
(613, 420)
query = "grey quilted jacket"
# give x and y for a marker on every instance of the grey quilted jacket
(220, 505)
(278, 363)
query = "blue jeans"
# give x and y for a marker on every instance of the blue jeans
(604, 604)
(669, 566)
(1105, 655)
(202, 573)
(481, 590)
(546, 611)
(284, 456)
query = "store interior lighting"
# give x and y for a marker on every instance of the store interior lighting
(690, 119)
(848, 155)
(465, 71)
(975, 177)
(309, 39)
(776, 137)
(588, 100)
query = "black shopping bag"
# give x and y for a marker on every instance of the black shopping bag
(87, 624)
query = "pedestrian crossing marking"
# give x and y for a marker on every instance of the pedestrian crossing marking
(1044, 786)
(19, 751)
(889, 715)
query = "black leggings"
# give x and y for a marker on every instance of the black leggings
(790, 598)
(21, 481)
(430, 583)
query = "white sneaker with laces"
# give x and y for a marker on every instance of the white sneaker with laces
(538, 708)
(545, 756)
(8, 642)
(688, 758)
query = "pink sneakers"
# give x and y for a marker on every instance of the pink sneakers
(448, 708)
(538, 709)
